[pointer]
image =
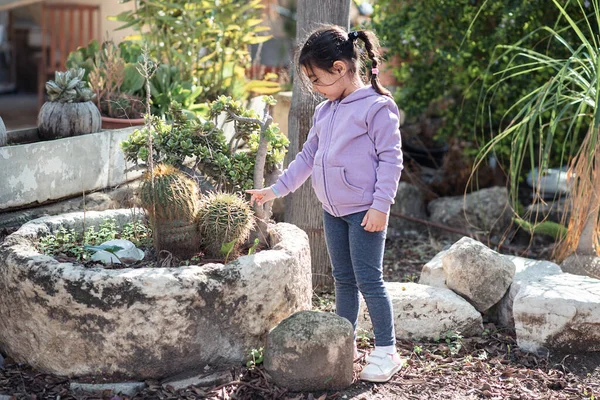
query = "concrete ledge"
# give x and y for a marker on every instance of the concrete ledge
(39, 172)
(69, 320)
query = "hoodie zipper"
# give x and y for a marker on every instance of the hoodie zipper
(335, 107)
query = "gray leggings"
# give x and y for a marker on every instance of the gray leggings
(357, 261)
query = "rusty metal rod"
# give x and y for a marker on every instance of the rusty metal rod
(457, 231)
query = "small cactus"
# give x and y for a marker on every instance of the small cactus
(172, 204)
(69, 87)
(224, 218)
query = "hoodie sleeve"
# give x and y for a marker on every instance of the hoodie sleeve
(384, 130)
(301, 168)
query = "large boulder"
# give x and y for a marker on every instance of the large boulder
(427, 312)
(527, 272)
(311, 350)
(477, 273)
(66, 319)
(582, 264)
(483, 214)
(560, 312)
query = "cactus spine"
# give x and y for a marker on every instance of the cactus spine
(172, 203)
(224, 218)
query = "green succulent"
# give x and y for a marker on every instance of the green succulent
(224, 219)
(69, 87)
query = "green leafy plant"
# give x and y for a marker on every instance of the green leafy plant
(417, 350)
(69, 87)
(558, 118)
(80, 246)
(252, 249)
(113, 74)
(442, 50)
(207, 41)
(227, 248)
(256, 357)
(168, 86)
(454, 341)
(229, 164)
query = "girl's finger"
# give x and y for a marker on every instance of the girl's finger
(365, 220)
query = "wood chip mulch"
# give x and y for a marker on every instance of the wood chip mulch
(487, 367)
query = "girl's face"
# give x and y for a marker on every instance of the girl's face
(333, 85)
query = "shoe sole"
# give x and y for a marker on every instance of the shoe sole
(382, 380)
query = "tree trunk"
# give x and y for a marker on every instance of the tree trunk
(302, 207)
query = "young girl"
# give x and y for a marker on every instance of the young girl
(353, 154)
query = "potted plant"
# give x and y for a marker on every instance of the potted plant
(113, 74)
(69, 111)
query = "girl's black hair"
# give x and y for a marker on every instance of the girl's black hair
(331, 43)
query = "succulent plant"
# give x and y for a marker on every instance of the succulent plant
(172, 197)
(69, 87)
(224, 218)
(172, 204)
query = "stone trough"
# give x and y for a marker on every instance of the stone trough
(66, 319)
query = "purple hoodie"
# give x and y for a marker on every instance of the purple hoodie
(353, 152)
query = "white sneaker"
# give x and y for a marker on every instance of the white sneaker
(381, 366)
(355, 351)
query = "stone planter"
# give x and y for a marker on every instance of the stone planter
(65, 319)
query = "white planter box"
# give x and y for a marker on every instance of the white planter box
(40, 172)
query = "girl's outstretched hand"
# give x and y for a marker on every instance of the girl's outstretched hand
(261, 196)
(374, 221)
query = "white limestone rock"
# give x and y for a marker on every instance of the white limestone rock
(433, 273)
(477, 273)
(527, 272)
(560, 312)
(582, 264)
(426, 312)
(310, 351)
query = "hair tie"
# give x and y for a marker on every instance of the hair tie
(375, 71)
(352, 36)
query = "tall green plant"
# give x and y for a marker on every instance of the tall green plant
(444, 48)
(207, 40)
(564, 104)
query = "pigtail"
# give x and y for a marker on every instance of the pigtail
(373, 51)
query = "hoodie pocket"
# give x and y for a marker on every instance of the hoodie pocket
(342, 191)
(318, 183)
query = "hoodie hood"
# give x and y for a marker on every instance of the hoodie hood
(359, 94)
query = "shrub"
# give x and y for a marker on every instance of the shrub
(230, 165)
(446, 47)
(208, 41)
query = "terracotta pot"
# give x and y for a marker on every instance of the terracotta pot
(118, 123)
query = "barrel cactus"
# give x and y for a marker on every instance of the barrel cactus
(3, 136)
(225, 221)
(172, 203)
(69, 111)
